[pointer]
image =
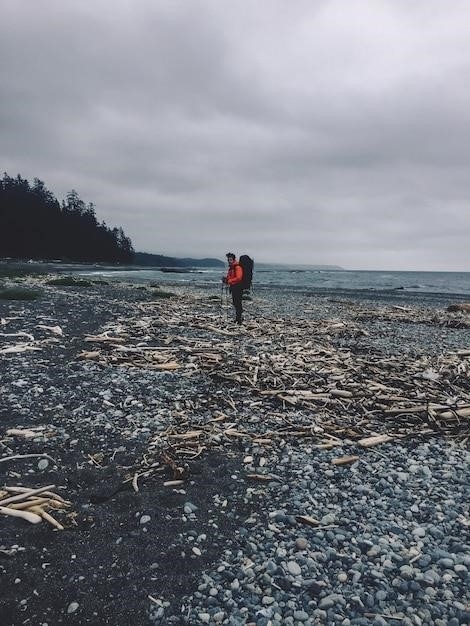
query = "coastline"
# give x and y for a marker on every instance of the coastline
(170, 376)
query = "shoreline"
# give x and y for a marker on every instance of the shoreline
(164, 378)
(436, 295)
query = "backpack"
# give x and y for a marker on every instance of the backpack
(247, 266)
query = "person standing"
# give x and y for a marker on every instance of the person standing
(234, 280)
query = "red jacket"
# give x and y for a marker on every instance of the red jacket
(234, 274)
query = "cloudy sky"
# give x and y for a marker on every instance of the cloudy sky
(303, 131)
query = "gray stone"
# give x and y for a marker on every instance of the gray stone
(407, 571)
(301, 616)
(294, 568)
(72, 607)
(431, 577)
(301, 543)
(267, 600)
(330, 601)
(461, 571)
(402, 476)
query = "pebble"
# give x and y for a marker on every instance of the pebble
(407, 571)
(431, 577)
(329, 601)
(301, 616)
(219, 617)
(145, 519)
(294, 568)
(301, 543)
(72, 607)
(461, 570)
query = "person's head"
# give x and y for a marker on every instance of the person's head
(230, 258)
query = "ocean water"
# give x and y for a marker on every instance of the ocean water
(361, 284)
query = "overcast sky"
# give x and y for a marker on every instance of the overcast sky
(298, 131)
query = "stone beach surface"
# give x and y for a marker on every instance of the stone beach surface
(260, 530)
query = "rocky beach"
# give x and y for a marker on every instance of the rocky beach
(309, 468)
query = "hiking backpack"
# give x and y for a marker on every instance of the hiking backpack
(247, 266)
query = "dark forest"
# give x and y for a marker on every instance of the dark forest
(34, 225)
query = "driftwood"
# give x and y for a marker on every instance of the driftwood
(26, 505)
(294, 376)
(309, 521)
(15, 457)
(263, 477)
(30, 343)
(33, 518)
(25, 495)
(55, 330)
(276, 379)
(345, 460)
(18, 348)
(375, 440)
(463, 308)
(27, 433)
(20, 334)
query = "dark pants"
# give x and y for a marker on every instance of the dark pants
(237, 293)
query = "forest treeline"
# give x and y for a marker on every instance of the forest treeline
(35, 225)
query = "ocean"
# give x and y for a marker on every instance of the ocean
(364, 284)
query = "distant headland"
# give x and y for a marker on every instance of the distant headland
(295, 267)
(144, 259)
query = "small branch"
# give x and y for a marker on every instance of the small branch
(25, 495)
(20, 334)
(33, 518)
(45, 516)
(135, 486)
(26, 456)
(48, 494)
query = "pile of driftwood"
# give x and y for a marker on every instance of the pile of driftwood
(22, 341)
(456, 315)
(323, 390)
(32, 505)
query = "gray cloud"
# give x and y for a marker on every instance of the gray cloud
(325, 132)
